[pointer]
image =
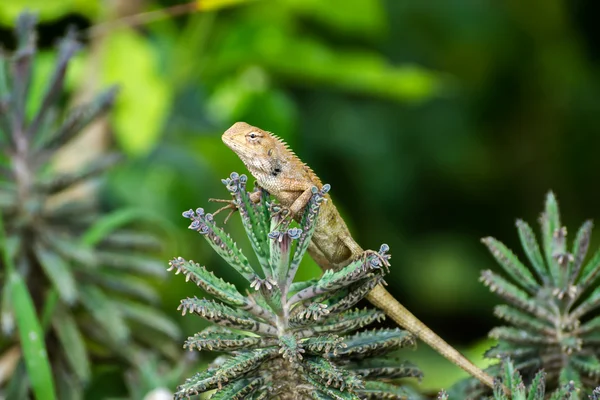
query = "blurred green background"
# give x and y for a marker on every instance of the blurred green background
(436, 123)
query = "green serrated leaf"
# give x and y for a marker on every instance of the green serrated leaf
(343, 322)
(331, 375)
(226, 316)
(58, 272)
(384, 390)
(580, 249)
(222, 243)
(537, 387)
(237, 390)
(590, 271)
(73, 344)
(332, 280)
(511, 264)
(522, 320)
(223, 340)
(385, 368)
(514, 295)
(208, 281)
(550, 221)
(375, 342)
(330, 392)
(519, 336)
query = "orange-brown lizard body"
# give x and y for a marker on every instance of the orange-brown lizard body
(280, 172)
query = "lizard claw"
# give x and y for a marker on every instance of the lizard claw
(380, 259)
(230, 206)
(284, 215)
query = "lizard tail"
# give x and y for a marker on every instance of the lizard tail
(383, 300)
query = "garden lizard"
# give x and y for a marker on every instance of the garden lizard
(284, 176)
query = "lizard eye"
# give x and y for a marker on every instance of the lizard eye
(253, 136)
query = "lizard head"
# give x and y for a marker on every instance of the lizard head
(255, 147)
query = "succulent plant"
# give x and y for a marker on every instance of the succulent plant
(82, 268)
(510, 386)
(286, 339)
(552, 310)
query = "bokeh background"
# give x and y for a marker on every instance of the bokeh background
(436, 123)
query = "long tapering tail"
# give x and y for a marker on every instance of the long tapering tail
(383, 300)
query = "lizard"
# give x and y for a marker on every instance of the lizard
(280, 172)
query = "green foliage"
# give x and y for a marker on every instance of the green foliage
(552, 310)
(510, 386)
(70, 273)
(288, 340)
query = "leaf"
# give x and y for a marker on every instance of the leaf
(32, 340)
(72, 343)
(221, 242)
(132, 286)
(519, 336)
(222, 340)
(256, 228)
(343, 322)
(131, 262)
(148, 316)
(537, 387)
(331, 280)
(323, 344)
(386, 368)
(532, 249)
(326, 392)
(78, 119)
(50, 303)
(580, 248)
(591, 302)
(511, 264)
(208, 281)
(590, 271)
(108, 223)
(7, 317)
(588, 364)
(384, 390)
(144, 102)
(375, 342)
(239, 389)
(243, 363)
(66, 49)
(514, 295)
(58, 272)
(106, 313)
(225, 316)
(523, 320)
(66, 180)
(331, 375)
(18, 385)
(550, 221)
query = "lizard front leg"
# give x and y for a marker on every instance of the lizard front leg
(254, 197)
(301, 201)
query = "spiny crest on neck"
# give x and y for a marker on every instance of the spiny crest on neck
(313, 177)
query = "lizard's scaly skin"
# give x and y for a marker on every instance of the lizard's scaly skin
(279, 171)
